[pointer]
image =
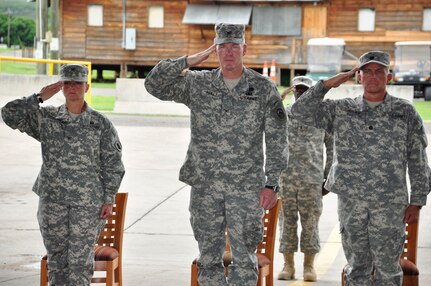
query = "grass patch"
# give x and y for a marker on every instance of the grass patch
(17, 67)
(106, 103)
(103, 85)
(423, 108)
(107, 75)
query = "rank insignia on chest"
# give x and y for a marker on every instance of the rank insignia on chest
(249, 91)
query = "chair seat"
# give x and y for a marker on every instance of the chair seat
(105, 253)
(101, 253)
(409, 268)
(107, 259)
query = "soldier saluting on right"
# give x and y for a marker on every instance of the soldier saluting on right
(376, 137)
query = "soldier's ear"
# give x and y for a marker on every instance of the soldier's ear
(359, 77)
(389, 77)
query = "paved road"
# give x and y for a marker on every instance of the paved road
(158, 241)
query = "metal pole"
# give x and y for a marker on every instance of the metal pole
(55, 22)
(9, 14)
(41, 25)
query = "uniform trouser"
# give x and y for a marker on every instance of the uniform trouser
(69, 234)
(211, 209)
(372, 235)
(305, 200)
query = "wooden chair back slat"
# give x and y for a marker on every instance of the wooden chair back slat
(410, 245)
(270, 226)
(112, 234)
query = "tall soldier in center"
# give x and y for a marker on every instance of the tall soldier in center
(234, 111)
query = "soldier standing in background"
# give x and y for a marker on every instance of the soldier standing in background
(80, 174)
(231, 108)
(301, 188)
(376, 138)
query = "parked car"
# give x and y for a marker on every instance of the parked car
(412, 67)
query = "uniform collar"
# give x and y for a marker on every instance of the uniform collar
(243, 86)
(85, 118)
(385, 106)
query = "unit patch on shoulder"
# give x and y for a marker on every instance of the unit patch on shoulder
(278, 110)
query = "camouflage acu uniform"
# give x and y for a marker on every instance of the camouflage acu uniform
(301, 185)
(81, 171)
(225, 159)
(372, 149)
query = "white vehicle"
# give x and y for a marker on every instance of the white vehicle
(412, 66)
(324, 57)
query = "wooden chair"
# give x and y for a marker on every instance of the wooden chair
(264, 252)
(408, 257)
(108, 250)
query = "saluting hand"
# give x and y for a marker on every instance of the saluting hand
(196, 59)
(48, 91)
(340, 78)
(286, 91)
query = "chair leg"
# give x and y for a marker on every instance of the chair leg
(342, 278)
(194, 275)
(259, 279)
(410, 280)
(43, 273)
(110, 274)
(119, 275)
(269, 280)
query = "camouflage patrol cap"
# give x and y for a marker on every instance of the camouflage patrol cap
(377, 57)
(74, 72)
(229, 33)
(302, 80)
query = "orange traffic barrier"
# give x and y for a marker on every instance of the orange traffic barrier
(265, 69)
(273, 71)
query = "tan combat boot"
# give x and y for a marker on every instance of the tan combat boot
(288, 272)
(309, 272)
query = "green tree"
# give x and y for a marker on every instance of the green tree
(3, 27)
(22, 30)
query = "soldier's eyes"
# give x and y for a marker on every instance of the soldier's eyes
(72, 83)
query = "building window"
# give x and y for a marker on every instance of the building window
(276, 21)
(366, 20)
(426, 26)
(95, 15)
(155, 17)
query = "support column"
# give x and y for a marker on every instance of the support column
(41, 28)
(123, 71)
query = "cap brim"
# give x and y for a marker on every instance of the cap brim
(303, 84)
(377, 62)
(73, 79)
(219, 41)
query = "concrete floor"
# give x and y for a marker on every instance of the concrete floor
(158, 241)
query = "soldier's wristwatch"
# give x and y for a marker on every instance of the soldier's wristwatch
(275, 189)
